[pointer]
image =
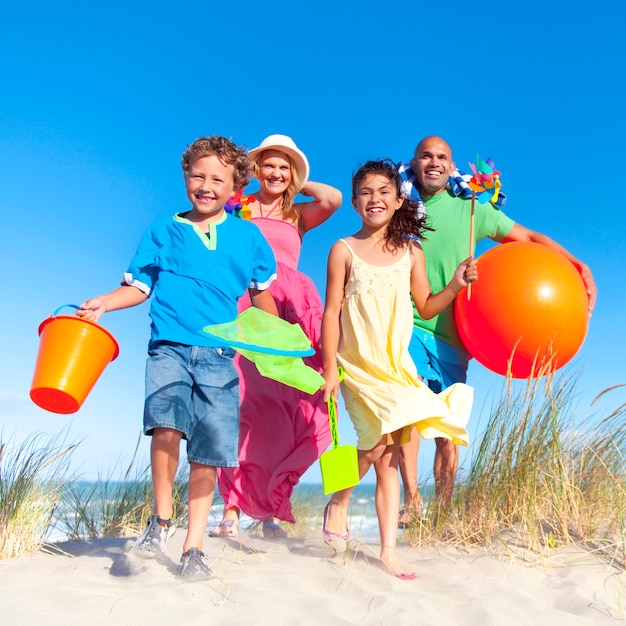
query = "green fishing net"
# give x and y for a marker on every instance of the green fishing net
(275, 346)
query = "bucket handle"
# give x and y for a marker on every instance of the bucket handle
(63, 306)
(332, 414)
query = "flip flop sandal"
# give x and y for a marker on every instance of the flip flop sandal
(227, 528)
(271, 530)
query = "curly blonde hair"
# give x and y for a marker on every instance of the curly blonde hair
(226, 151)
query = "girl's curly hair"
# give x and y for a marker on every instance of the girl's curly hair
(226, 151)
(407, 222)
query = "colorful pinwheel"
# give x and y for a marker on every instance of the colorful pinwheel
(485, 182)
(238, 205)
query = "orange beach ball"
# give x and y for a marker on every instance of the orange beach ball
(528, 311)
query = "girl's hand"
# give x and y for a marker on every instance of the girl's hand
(471, 271)
(465, 274)
(331, 386)
(92, 310)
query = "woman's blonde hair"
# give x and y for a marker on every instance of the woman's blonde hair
(287, 209)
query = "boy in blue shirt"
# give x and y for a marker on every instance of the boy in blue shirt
(195, 265)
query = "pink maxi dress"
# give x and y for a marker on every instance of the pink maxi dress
(282, 430)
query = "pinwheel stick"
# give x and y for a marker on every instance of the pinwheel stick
(485, 182)
(471, 240)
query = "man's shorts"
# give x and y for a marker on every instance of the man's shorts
(195, 390)
(440, 364)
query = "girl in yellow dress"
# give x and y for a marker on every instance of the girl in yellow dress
(366, 329)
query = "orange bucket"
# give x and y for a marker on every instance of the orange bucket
(72, 354)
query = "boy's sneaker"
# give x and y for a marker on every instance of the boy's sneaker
(194, 566)
(152, 541)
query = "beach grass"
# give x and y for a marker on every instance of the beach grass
(307, 507)
(540, 476)
(32, 483)
(116, 505)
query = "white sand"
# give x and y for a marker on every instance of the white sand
(301, 581)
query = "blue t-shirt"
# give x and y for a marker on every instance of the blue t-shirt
(196, 278)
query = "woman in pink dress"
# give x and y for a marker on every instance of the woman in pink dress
(283, 431)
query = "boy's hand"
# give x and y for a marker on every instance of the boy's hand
(92, 310)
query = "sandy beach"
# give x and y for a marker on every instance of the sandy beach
(300, 580)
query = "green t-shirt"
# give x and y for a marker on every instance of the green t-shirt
(448, 244)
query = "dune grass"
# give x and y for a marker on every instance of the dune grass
(32, 482)
(116, 505)
(540, 476)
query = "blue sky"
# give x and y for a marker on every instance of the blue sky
(99, 102)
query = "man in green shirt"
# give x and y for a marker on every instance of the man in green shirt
(436, 348)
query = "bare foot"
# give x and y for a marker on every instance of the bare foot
(337, 540)
(389, 559)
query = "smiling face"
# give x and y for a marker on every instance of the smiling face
(209, 184)
(274, 170)
(376, 200)
(433, 165)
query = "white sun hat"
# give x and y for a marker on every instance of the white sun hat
(285, 144)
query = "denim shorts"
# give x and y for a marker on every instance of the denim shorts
(195, 390)
(440, 364)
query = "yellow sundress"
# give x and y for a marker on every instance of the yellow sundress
(381, 388)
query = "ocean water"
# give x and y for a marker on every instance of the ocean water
(308, 501)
